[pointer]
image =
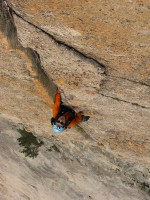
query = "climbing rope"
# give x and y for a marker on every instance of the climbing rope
(5, 6)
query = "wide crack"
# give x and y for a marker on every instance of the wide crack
(69, 47)
(35, 68)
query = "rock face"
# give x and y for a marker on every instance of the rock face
(114, 33)
(100, 59)
(54, 175)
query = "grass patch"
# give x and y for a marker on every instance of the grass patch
(30, 143)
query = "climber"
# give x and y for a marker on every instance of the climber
(64, 116)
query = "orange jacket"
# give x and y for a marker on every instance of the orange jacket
(56, 109)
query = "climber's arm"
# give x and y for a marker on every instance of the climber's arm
(76, 120)
(57, 102)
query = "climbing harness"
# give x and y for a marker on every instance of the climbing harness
(6, 7)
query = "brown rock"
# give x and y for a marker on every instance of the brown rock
(55, 44)
(113, 33)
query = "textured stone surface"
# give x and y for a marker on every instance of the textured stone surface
(114, 103)
(18, 86)
(111, 150)
(115, 33)
(51, 176)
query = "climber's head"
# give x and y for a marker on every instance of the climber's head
(59, 125)
(61, 121)
(58, 129)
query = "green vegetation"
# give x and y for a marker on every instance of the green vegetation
(30, 143)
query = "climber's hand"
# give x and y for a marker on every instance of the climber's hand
(59, 90)
(77, 109)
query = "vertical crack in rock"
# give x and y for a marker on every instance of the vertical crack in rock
(59, 42)
(40, 78)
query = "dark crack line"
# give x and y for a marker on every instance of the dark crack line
(136, 82)
(69, 47)
(117, 99)
(81, 54)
